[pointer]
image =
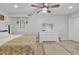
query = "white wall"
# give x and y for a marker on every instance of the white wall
(60, 24)
(74, 26)
(3, 24)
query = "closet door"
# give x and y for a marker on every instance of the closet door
(74, 29)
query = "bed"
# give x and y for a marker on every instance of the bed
(19, 45)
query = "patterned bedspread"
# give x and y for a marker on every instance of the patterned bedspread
(23, 45)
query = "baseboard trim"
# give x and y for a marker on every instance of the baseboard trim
(75, 41)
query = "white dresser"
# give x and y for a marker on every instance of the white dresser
(48, 36)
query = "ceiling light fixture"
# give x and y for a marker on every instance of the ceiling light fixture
(44, 10)
(15, 6)
(70, 7)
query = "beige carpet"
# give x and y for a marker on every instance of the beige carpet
(54, 48)
(40, 49)
(66, 47)
(70, 46)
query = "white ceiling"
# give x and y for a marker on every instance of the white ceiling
(26, 8)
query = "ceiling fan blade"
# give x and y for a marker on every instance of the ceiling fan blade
(49, 11)
(36, 6)
(53, 6)
(39, 11)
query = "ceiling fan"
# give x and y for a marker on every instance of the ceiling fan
(45, 7)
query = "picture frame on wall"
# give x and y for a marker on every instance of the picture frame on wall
(22, 24)
(2, 17)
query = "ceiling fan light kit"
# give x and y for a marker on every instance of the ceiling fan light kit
(44, 10)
